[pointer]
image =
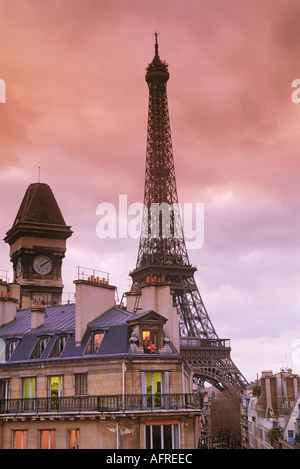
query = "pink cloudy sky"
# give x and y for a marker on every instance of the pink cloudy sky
(76, 105)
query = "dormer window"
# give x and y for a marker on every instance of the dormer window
(59, 346)
(94, 342)
(40, 347)
(10, 347)
(148, 328)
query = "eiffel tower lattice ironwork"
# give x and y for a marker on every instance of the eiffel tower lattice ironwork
(162, 249)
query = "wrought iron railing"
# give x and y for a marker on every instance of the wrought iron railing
(114, 403)
(198, 342)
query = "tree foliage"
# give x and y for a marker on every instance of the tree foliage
(225, 420)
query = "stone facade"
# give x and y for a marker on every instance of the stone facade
(115, 397)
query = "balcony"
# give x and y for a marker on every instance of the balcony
(196, 342)
(101, 404)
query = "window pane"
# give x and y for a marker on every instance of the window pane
(149, 341)
(47, 439)
(176, 437)
(28, 388)
(4, 389)
(167, 429)
(97, 340)
(80, 384)
(157, 383)
(148, 437)
(74, 439)
(20, 439)
(55, 391)
(149, 383)
(156, 429)
(56, 386)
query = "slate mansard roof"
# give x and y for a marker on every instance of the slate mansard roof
(60, 321)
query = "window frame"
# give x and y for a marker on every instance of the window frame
(40, 346)
(51, 437)
(77, 438)
(155, 399)
(24, 442)
(54, 400)
(91, 348)
(175, 433)
(59, 345)
(152, 339)
(82, 377)
(10, 346)
(6, 387)
(28, 402)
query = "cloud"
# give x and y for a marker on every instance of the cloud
(77, 107)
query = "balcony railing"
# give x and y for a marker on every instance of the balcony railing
(198, 342)
(115, 403)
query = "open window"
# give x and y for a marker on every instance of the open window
(10, 347)
(59, 346)
(40, 346)
(150, 341)
(94, 342)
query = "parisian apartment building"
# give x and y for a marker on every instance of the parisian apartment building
(270, 412)
(88, 373)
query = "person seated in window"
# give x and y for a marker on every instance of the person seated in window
(146, 348)
(152, 347)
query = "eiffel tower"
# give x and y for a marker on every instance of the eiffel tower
(162, 249)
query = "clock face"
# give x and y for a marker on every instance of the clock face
(42, 265)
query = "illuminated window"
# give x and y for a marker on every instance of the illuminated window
(73, 439)
(55, 391)
(19, 438)
(47, 438)
(150, 341)
(29, 388)
(94, 342)
(28, 393)
(155, 389)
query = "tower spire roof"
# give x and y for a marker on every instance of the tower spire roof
(158, 67)
(39, 210)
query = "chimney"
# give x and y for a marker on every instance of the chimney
(8, 308)
(93, 298)
(9, 299)
(37, 316)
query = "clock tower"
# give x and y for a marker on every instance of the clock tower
(37, 242)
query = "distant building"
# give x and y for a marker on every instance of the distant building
(291, 432)
(267, 408)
